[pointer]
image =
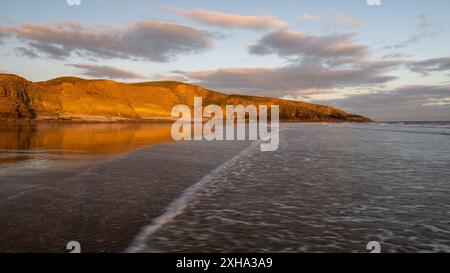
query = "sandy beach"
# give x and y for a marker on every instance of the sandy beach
(103, 206)
(328, 188)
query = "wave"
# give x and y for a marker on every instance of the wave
(179, 205)
(431, 128)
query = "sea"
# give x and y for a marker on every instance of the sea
(328, 188)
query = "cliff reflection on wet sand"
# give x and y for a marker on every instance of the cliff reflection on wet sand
(27, 141)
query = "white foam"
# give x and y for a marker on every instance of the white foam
(180, 204)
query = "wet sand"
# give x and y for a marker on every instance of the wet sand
(106, 205)
(328, 188)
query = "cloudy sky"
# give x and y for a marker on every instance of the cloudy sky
(389, 60)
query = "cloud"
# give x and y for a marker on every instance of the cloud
(396, 55)
(289, 80)
(342, 20)
(170, 76)
(337, 19)
(227, 20)
(5, 32)
(54, 51)
(288, 43)
(307, 94)
(423, 32)
(307, 17)
(7, 20)
(431, 65)
(151, 40)
(423, 24)
(99, 71)
(418, 102)
(27, 52)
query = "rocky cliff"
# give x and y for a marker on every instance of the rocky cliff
(76, 99)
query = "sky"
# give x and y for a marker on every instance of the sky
(386, 59)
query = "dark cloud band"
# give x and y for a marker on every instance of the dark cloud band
(152, 40)
(101, 71)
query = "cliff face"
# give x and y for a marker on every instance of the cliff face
(102, 100)
(14, 100)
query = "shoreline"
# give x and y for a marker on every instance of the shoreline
(105, 206)
(62, 121)
(154, 121)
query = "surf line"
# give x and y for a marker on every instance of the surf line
(180, 204)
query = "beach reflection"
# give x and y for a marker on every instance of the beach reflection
(21, 142)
